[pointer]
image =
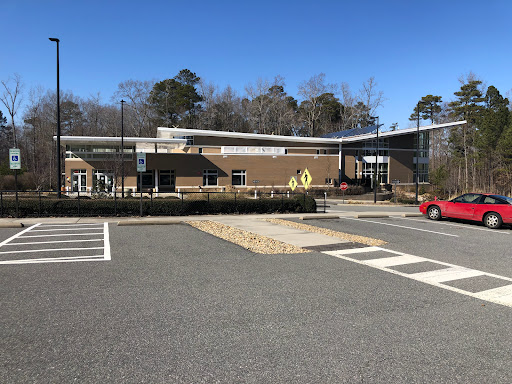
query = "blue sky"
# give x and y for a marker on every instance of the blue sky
(412, 48)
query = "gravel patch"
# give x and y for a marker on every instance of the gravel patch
(329, 232)
(248, 240)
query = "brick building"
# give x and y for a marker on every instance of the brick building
(193, 160)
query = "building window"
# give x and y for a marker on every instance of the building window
(102, 180)
(370, 147)
(166, 178)
(210, 177)
(238, 177)
(200, 150)
(148, 180)
(317, 151)
(422, 173)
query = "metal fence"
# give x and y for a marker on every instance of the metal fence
(46, 203)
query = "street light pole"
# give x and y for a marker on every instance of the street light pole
(418, 150)
(376, 176)
(122, 148)
(58, 120)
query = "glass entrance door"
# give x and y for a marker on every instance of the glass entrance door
(79, 180)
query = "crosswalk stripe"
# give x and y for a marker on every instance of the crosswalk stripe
(501, 295)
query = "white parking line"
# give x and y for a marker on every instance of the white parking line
(70, 225)
(65, 234)
(25, 235)
(54, 242)
(55, 260)
(399, 226)
(469, 226)
(500, 295)
(17, 235)
(62, 229)
(49, 250)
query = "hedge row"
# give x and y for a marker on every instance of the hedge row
(157, 207)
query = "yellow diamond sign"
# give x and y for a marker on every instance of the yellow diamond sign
(306, 179)
(293, 183)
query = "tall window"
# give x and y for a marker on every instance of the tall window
(166, 178)
(148, 180)
(210, 177)
(422, 173)
(238, 177)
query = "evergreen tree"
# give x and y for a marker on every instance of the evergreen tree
(468, 106)
(429, 108)
(176, 100)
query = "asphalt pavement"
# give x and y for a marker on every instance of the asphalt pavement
(174, 304)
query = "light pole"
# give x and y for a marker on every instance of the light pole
(376, 175)
(122, 148)
(58, 119)
(418, 149)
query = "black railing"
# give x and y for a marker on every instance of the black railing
(47, 204)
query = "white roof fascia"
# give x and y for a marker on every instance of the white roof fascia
(401, 131)
(110, 140)
(241, 135)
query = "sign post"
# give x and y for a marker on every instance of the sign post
(15, 163)
(395, 181)
(141, 167)
(343, 187)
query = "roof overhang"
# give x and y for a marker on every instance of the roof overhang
(116, 140)
(240, 135)
(180, 132)
(406, 131)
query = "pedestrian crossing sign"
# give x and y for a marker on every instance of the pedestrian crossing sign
(293, 183)
(306, 178)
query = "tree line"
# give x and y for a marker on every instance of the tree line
(474, 156)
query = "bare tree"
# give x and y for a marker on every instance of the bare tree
(311, 90)
(259, 103)
(370, 97)
(207, 91)
(137, 92)
(11, 97)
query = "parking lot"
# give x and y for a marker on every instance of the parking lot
(173, 304)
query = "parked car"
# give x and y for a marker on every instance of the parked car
(492, 210)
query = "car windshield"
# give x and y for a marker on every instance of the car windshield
(505, 198)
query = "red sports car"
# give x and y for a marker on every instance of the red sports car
(492, 210)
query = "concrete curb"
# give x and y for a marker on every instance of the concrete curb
(413, 215)
(149, 222)
(11, 225)
(370, 215)
(319, 217)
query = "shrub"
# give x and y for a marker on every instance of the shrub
(34, 207)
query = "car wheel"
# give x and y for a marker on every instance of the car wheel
(434, 213)
(493, 220)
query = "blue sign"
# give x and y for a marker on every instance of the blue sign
(14, 158)
(141, 162)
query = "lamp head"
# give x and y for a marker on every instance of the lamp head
(53, 39)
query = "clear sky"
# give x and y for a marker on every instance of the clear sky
(412, 48)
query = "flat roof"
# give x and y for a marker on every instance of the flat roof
(116, 140)
(241, 135)
(256, 136)
(180, 132)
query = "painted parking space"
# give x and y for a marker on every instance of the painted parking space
(470, 282)
(57, 243)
